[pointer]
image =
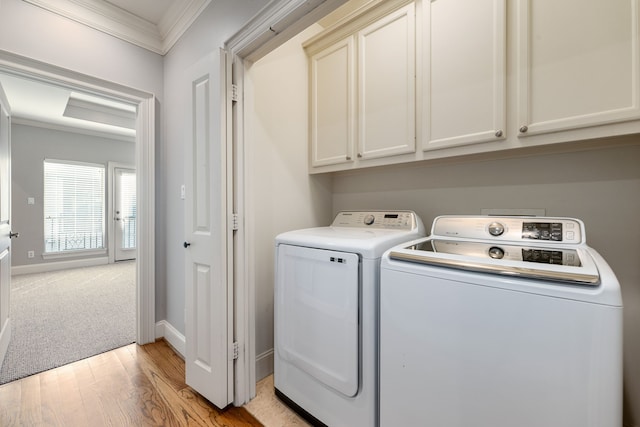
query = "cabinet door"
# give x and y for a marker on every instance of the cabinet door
(332, 104)
(464, 63)
(577, 64)
(386, 71)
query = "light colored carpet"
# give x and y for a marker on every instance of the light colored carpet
(64, 316)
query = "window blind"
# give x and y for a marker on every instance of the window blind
(74, 206)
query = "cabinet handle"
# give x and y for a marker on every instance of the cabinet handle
(523, 129)
(499, 134)
(359, 155)
(348, 157)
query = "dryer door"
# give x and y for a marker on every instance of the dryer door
(316, 322)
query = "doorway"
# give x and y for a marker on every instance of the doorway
(145, 126)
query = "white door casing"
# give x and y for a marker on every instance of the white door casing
(249, 44)
(5, 223)
(124, 214)
(209, 290)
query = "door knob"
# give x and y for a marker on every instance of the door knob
(186, 244)
(12, 234)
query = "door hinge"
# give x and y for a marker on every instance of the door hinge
(235, 350)
(234, 92)
(235, 222)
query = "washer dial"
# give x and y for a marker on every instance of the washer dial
(496, 252)
(496, 229)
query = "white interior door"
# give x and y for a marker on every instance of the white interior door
(125, 213)
(209, 288)
(5, 224)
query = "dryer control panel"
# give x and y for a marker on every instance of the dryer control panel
(391, 220)
(549, 230)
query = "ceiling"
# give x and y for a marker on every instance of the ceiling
(154, 25)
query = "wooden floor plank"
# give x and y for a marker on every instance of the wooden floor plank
(129, 386)
(30, 404)
(10, 397)
(72, 413)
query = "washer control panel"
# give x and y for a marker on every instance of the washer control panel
(391, 220)
(515, 229)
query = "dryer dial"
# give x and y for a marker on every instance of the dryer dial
(369, 219)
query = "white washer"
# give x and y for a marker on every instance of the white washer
(500, 322)
(326, 305)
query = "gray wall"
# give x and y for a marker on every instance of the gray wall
(219, 21)
(600, 186)
(33, 32)
(36, 33)
(30, 146)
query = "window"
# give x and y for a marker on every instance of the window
(74, 206)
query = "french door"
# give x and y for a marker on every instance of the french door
(125, 214)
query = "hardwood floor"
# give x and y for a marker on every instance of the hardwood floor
(129, 386)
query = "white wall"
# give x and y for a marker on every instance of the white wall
(285, 197)
(219, 21)
(601, 187)
(30, 146)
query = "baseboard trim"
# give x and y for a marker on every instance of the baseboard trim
(58, 265)
(264, 364)
(175, 339)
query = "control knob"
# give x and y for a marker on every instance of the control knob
(369, 219)
(496, 252)
(496, 229)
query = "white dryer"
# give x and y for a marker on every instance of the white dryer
(326, 314)
(500, 322)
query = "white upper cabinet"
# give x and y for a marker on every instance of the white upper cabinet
(362, 88)
(333, 104)
(464, 72)
(471, 76)
(577, 64)
(386, 95)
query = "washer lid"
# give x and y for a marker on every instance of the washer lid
(556, 263)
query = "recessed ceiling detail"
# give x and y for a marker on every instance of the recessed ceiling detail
(99, 110)
(154, 25)
(50, 106)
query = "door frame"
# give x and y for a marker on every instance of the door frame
(145, 168)
(279, 21)
(111, 204)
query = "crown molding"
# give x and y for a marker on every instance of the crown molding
(112, 20)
